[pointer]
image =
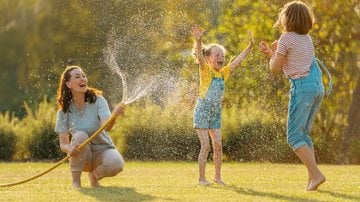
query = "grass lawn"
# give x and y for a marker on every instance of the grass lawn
(177, 181)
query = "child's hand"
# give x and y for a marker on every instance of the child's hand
(197, 32)
(264, 48)
(274, 45)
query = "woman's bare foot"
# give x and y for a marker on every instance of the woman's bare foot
(76, 185)
(93, 179)
(314, 184)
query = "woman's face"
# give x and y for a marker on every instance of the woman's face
(78, 81)
(216, 58)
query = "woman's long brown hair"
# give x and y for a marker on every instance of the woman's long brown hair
(64, 96)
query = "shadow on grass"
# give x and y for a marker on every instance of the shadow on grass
(252, 192)
(339, 195)
(117, 194)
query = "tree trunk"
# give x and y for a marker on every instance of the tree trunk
(352, 132)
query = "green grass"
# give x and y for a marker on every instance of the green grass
(177, 181)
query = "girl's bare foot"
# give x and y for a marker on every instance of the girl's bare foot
(219, 182)
(204, 183)
(314, 184)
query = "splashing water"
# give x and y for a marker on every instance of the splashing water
(136, 84)
(137, 93)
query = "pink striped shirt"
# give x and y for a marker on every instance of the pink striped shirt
(299, 52)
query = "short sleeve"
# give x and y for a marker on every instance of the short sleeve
(62, 122)
(226, 72)
(283, 45)
(103, 108)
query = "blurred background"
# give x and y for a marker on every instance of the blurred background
(152, 45)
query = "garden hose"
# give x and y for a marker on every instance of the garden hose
(112, 118)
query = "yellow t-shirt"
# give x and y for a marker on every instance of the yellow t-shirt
(206, 77)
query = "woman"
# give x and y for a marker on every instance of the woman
(82, 110)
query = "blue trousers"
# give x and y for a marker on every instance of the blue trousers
(306, 95)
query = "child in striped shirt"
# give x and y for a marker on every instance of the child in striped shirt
(294, 54)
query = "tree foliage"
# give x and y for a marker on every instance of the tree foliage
(38, 38)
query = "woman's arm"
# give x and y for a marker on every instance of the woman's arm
(198, 33)
(234, 64)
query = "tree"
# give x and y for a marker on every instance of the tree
(352, 132)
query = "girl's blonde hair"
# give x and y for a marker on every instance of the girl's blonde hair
(297, 17)
(206, 50)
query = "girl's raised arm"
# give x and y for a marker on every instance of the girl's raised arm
(198, 33)
(276, 60)
(236, 62)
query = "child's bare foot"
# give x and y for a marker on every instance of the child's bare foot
(93, 179)
(204, 183)
(314, 184)
(219, 182)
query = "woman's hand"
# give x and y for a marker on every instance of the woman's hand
(119, 109)
(72, 150)
(197, 32)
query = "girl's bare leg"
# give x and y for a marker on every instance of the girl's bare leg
(215, 135)
(204, 152)
(309, 179)
(306, 155)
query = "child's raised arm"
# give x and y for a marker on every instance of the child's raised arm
(243, 54)
(198, 33)
(276, 60)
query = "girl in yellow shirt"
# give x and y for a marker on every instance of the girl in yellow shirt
(207, 115)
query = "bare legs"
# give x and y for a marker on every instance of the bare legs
(204, 152)
(217, 147)
(316, 178)
(107, 163)
(76, 183)
(77, 162)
